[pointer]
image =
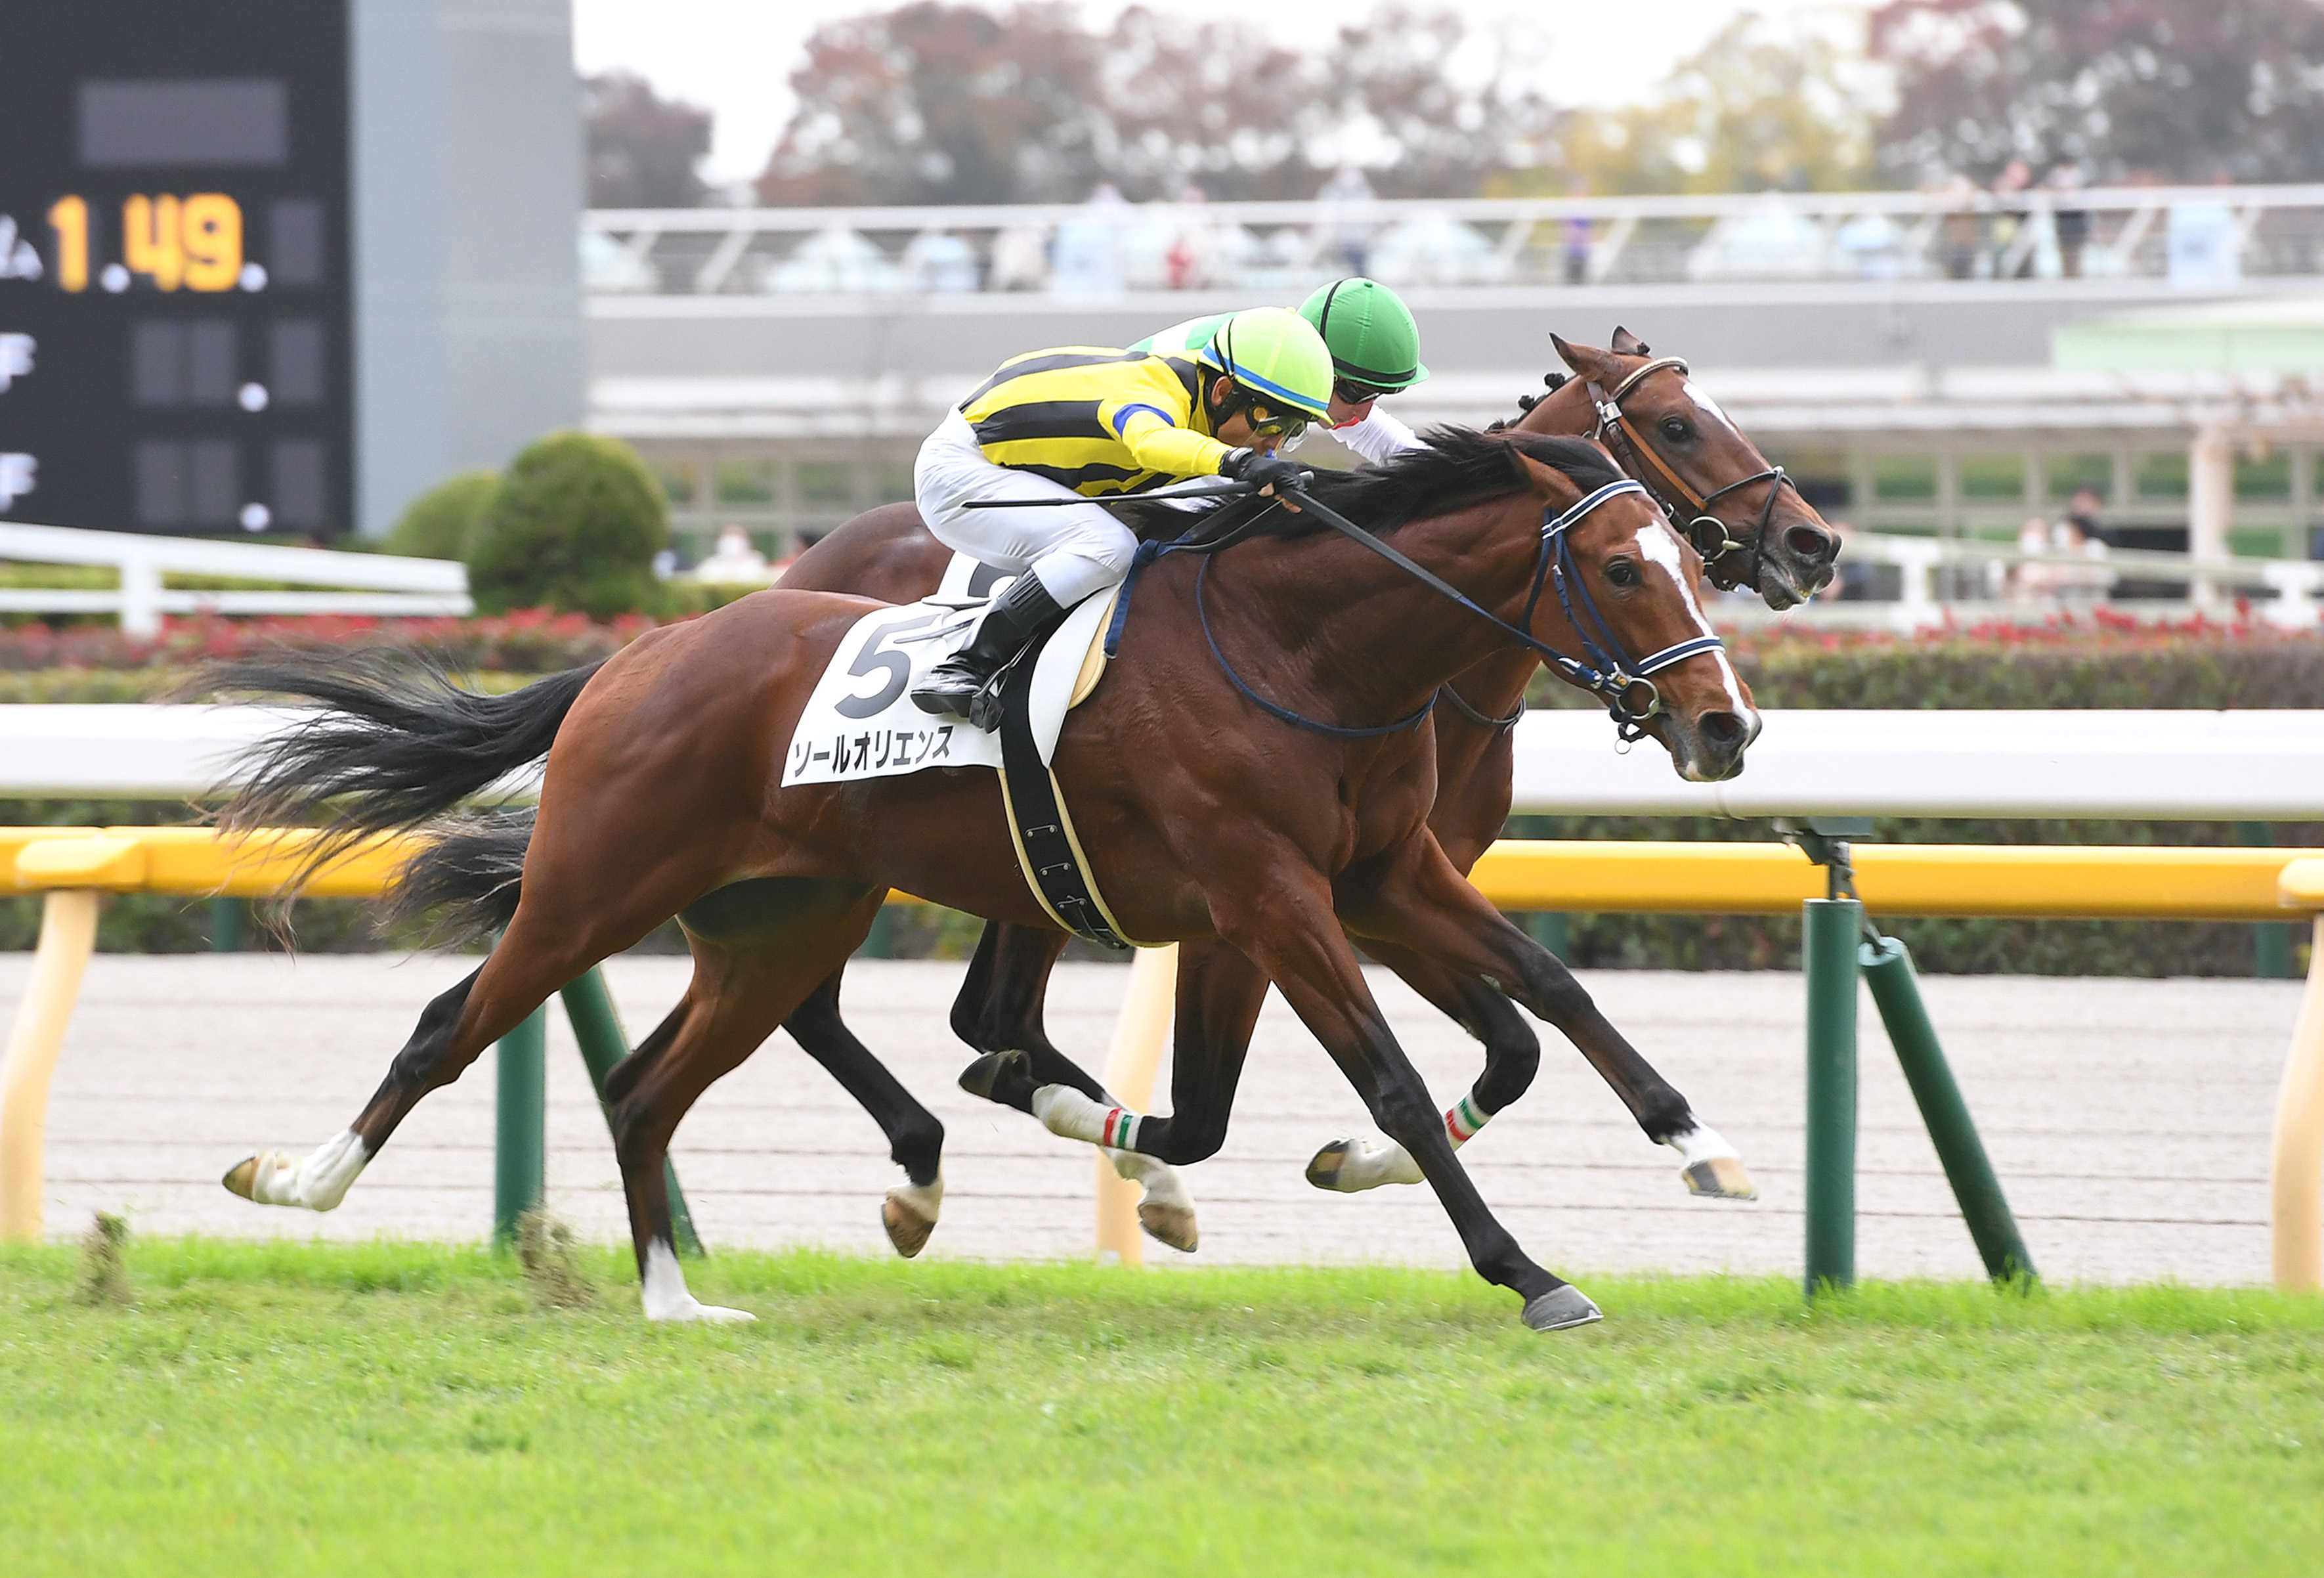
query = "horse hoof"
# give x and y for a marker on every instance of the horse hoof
(1324, 1167)
(1170, 1224)
(1559, 1308)
(242, 1178)
(1722, 1177)
(907, 1223)
(1006, 1077)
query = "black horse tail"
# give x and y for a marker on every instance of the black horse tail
(395, 743)
(462, 885)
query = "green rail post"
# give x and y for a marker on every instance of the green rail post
(519, 1150)
(1828, 951)
(1888, 971)
(2272, 940)
(229, 917)
(603, 1043)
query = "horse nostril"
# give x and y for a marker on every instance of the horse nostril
(1723, 732)
(1812, 543)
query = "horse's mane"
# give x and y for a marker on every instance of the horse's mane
(1453, 467)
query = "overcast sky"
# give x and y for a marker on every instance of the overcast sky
(736, 56)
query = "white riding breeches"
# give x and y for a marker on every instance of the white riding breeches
(1075, 549)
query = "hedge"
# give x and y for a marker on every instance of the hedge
(575, 526)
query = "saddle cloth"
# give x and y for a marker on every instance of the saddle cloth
(860, 723)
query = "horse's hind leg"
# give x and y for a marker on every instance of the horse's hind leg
(554, 936)
(998, 1012)
(759, 948)
(915, 1136)
(1512, 1058)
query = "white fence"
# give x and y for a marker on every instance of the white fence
(2208, 237)
(2159, 766)
(2255, 766)
(1964, 581)
(366, 583)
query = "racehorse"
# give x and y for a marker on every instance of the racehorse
(1742, 513)
(1203, 820)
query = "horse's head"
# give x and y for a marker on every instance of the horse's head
(1743, 514)
(1622, 588)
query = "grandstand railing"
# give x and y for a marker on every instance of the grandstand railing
(2196, 236)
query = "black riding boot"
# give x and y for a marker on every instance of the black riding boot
(1020, 615)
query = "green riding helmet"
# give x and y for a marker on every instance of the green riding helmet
(1277, 356)
(1369, 330)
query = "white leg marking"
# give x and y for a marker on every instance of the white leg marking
(317, 1183)
(1711, 1166)
(924, 1202)
(666, 1296)
(1368, 1164)
(1066, 1112)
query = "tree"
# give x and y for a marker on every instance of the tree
(942, 102)
(933, 102)
(2187, 90)
(574, 526)
(1751, 111)
(642, 148)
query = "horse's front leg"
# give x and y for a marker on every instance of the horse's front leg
(1279, 914)
(1414, 898)
(998, 1012)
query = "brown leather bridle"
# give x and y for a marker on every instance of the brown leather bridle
(1688, 510)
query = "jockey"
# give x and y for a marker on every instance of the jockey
(1081, 422)
(1375, 349)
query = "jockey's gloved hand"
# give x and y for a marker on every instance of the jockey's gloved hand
(1264, 470)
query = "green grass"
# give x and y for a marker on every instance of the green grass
(401, 1409)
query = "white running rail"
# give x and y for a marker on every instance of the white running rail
(363, 583)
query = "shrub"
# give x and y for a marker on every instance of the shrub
(574, 527)
(443, 521)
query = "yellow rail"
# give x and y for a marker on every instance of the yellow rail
(2050, 881)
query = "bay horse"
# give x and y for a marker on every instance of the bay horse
(1205, 818)
(1754, 528)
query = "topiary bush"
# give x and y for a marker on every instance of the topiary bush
(574, 527)
(443, 521)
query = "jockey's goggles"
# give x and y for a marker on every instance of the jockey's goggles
(1350, 393)
(1268, 423)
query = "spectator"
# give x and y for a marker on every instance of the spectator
(2009, 219)
(2082, 511)
(1089, 246)
(2066, 181)
(1350, 239)
(1577, 234)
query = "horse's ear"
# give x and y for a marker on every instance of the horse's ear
(1580, 359)
(1626, 344)
(1547, 484)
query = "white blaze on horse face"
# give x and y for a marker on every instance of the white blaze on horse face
(1709, 406)
(1658, 544)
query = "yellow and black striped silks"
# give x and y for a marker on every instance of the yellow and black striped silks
(1097, 420)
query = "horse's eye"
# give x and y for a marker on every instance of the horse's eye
(1621, 572)
(1676, 429)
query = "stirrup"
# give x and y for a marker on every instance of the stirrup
(947, 693)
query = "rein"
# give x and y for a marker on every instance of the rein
(1482, 719)
(1704, 530)
(1605, 668)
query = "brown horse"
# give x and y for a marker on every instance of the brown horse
(1686, 449)
(1204, 818)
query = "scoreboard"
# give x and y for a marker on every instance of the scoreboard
(176, 332)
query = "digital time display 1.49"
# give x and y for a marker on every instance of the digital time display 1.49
(175, 332)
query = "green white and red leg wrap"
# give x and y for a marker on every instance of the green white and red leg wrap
(1462, 1119)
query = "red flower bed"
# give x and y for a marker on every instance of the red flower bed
(534, 641)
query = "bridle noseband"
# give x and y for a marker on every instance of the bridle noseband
(1688, 510)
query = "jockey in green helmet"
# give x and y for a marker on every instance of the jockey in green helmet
(1080, 422)
(1375, 349)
